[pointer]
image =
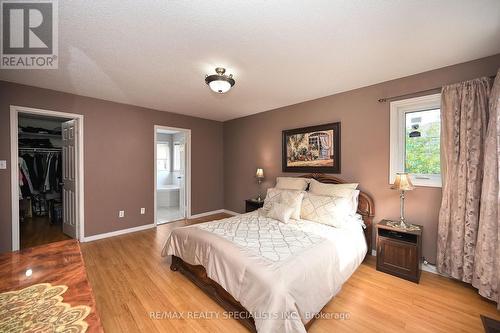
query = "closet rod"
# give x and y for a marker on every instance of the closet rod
(436, 89)
(41, 150)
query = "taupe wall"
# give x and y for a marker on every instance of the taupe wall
(119, 169)
(255, 141)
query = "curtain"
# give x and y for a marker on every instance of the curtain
(464, 118)
(487, 257)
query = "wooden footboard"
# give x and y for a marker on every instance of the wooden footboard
(198, 275)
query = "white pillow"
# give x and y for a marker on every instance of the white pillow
(337, 190)
(334, 211)
(292, 183)
(288, 197)
(280, 212)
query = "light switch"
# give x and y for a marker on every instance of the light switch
(3, 164)
(121, 213)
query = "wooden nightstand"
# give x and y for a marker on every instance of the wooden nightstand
(252, 204)
(399, 251)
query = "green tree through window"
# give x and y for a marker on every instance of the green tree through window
(422, 147)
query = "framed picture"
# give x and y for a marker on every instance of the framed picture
(312, 149)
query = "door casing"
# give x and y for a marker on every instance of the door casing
(187, 171)
(14, 160)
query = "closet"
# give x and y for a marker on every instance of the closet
(40, 180)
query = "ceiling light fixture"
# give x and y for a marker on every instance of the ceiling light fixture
(220, 83)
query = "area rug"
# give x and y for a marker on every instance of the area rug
(40, 308)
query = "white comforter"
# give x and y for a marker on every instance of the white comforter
(283, 274)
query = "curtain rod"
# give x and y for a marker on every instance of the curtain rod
(389, 99)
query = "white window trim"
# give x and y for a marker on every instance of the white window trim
(169, 162)
(398, 132)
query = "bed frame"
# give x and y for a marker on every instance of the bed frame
(198, 275)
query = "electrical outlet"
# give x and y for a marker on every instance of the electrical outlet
(143, 211)
(121, 213)
(3, 164)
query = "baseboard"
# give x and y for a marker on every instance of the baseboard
(425, 267)
(230, 212)
(149, 226)
(430, 268)
(218, 211)
(117, 233)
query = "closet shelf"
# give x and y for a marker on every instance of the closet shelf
(39, 135)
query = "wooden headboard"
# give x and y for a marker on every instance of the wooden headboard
(366, 207)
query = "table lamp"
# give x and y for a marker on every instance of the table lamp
(402, 184)
(260, 176)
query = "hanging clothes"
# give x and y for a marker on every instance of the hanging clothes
(30, 163)
(26, 175)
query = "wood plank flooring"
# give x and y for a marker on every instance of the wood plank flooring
(58, 263)
(38, 230)
(131, 280)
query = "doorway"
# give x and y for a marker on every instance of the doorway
(172, 174)
(47, 174)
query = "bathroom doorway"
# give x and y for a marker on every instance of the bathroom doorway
(172, 174)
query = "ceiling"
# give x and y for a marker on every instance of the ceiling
(156, 53)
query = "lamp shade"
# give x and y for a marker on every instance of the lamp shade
(220, 86)
(259, 173)
(402, 182)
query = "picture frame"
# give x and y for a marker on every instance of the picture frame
(312, 149)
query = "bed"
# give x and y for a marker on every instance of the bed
(272, 276)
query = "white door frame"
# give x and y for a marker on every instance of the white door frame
(14, 160)
(187, 177)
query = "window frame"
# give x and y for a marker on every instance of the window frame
(176, 167)
(167, 162)
(398, 111)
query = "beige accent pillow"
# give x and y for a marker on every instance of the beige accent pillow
(292, 183)
(337, 190)
(280, 212)
(330, 189)
(334, 211)
(288, 197)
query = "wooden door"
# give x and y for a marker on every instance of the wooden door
(70, 207)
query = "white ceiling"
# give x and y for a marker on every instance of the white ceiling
(156, 53)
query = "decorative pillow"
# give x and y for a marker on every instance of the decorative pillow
(330, 189)
(292, 183)
(337, 190)
(288, 197)
(334, 211)
(280, 212)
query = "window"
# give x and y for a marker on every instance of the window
(177, 156)
(163, 156)
(415, 139)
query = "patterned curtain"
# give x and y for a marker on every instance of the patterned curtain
(487, 257)
(464, 119)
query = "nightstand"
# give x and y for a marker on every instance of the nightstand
(399, 251)
(252, 204)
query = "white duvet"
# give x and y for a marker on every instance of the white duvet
(283, 274)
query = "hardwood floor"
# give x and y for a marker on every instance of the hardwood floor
(59, 263)
(36, 231)
(130, 280)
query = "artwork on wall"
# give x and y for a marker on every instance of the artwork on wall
(312, 149)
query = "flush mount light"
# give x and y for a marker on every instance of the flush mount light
(220, 83)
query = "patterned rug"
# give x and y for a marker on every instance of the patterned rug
(39, 308)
